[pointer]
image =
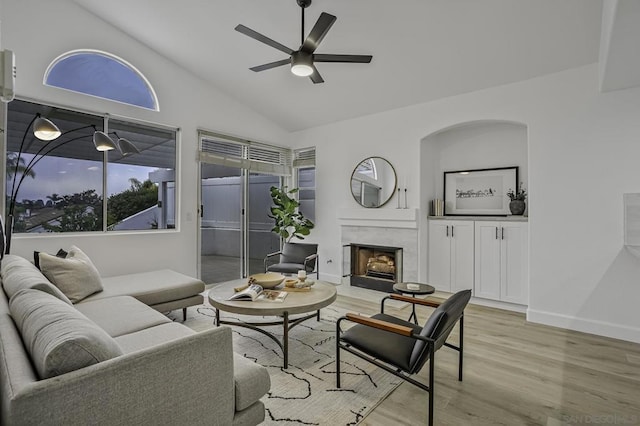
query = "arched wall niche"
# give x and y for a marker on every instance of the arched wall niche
(481, 144)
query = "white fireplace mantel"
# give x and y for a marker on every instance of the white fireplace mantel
(394, 218)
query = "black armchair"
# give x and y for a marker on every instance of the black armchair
(292, 258)
(401, 347)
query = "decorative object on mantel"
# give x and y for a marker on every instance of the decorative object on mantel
(373, 182)
(479, 192)
(400, 198)
(517, 197)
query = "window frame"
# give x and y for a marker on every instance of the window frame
(105, 162)
(127, 64)
(305, 158)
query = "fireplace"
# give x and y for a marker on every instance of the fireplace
(375, 267)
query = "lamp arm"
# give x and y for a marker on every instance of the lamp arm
(35, 160)
(15, 171)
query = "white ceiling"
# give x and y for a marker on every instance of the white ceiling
(422, 49)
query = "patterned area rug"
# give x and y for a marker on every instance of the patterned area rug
(305, 393)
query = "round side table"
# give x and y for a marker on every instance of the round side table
(421, 289)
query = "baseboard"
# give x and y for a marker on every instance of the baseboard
(498, 304)
(335, 279)
(600, 328)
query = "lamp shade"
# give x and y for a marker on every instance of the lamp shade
(301, 64)
(45, 130)
(126, 147)
(103, 142)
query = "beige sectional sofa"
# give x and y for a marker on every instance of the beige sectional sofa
(111, 359)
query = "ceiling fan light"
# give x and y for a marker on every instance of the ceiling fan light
(45, 130)
(301, 64)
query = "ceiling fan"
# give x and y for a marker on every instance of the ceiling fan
(302, 60)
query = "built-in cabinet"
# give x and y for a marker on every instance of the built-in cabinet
(451, 255)
(489, 257)
(501, 261)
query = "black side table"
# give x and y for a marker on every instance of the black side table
(422, 289)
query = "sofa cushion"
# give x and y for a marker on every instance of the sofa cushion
(252, 381)
(75, 275)
(152, 336)
(151, 288)
(58, 338)
(18, 273)
(121, 315)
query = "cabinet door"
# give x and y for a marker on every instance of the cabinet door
(515, 261)
(439, 255)
(487, 259)
(462, 236)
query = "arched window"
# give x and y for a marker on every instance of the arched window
(103, 75)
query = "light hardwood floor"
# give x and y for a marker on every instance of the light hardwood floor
(517, 373)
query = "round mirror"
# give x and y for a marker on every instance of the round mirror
(373, 182)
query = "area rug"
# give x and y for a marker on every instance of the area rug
(306, 393)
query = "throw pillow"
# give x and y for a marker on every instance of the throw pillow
(18, 273)
(36, 257)
(75, 275)
(59, 339)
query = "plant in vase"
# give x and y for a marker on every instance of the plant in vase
(289, 222)
(517, 197)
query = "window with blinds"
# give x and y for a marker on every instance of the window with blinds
(304, 164)
(235, 152)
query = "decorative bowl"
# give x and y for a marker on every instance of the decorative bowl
(268, 279)
(290, 282)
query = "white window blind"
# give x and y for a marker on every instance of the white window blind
(230, 151)
(304, 157)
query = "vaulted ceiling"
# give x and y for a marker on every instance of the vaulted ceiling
(422, 50)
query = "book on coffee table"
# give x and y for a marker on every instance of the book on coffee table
(255, 292)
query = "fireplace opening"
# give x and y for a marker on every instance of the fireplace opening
(375, 267)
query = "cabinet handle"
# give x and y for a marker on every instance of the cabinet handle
(447, 230)
(496, 232)
(503, 233)
(451, 231)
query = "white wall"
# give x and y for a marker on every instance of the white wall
(583, 153)
(39, 31)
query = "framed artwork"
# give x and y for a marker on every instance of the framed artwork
(481, 192)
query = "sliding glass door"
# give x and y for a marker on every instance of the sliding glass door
(235, 230)
(261, 240)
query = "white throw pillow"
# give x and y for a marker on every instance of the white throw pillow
(75, 275)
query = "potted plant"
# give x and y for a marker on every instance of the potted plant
(518, 197)
(289, 222)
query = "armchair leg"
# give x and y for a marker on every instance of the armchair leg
(461, 348)
(338, 354)
(431, 381)
(184, 314)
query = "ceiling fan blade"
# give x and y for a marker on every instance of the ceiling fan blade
(271, 65)
(320, 29)
(316, 77)
(362, 59)
(266, 40)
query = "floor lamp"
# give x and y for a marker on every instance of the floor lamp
(45, 130)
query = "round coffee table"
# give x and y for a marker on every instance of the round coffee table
(319, 296)
(420, 289)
